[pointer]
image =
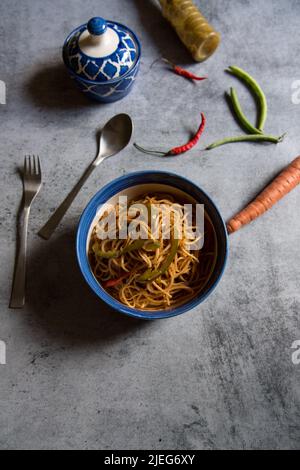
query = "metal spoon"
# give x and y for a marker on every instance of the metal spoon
(115, 135)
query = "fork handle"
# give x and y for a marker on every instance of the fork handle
(48, 229)
(17, 299)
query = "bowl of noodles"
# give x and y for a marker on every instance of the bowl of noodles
(152, 245)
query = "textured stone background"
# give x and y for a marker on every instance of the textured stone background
(80, 376)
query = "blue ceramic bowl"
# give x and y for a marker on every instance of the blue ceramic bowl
(137, 184)
(114, 79)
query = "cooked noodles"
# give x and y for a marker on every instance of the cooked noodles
(155, 273)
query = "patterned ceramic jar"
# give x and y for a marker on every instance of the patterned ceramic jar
(103, 58)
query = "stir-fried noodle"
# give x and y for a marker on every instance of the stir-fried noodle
(154, 273)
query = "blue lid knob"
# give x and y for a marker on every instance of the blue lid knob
(96, 26)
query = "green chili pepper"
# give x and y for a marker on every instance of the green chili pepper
(136, 245)
(240, 115)
(254, 86)
(150, 275)
(247, 138)
(152, 246)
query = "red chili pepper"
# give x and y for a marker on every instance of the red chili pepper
(115, 282)
(183, 72)
(178, 150)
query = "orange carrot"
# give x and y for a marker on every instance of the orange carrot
(287, 180)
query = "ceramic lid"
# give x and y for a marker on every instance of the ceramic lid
(101, 50)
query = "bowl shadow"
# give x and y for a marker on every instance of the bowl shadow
(62, 305)
(51, 87)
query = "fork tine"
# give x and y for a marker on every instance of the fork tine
(39, 171)
(33, 165)
(26, 165)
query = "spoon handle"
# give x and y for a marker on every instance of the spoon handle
(48, 229)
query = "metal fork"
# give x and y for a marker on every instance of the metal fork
(32, 181)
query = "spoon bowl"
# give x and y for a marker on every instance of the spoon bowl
(115, 136)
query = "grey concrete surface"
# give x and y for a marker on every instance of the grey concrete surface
(81, 376)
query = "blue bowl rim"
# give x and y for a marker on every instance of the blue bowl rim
(113, 80)
(108, 191)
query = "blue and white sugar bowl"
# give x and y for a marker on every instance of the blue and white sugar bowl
(103, 58)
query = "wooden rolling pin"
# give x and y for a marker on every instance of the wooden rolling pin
(191, 26)
(287, 180)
